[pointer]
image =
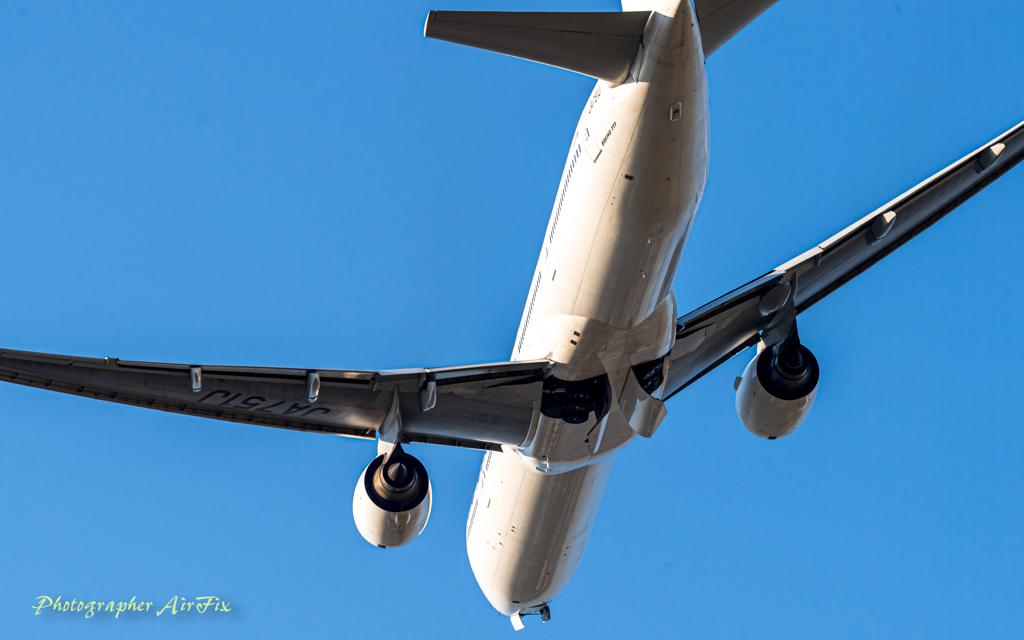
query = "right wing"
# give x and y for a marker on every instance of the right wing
(722, 328)
(476, 406)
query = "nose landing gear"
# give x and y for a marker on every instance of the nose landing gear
(517, 617)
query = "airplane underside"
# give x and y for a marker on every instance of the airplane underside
(600, 348)
(602, 303)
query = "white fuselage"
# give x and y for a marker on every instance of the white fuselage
(601, 300)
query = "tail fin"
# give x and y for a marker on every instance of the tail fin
(600, 45)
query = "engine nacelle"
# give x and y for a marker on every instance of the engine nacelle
(777, 389)
(391, 504)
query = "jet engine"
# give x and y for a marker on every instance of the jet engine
(777, 389)
(391, 504)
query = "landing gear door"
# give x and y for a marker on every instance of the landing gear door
(642, 410)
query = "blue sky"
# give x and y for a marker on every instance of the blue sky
(317, 185)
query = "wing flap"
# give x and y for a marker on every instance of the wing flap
(714, 333)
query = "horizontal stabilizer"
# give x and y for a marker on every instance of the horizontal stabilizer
(720, 20)
(601, 45)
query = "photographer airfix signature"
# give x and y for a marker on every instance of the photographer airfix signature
(175, 606)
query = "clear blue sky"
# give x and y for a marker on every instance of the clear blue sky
(317, 185)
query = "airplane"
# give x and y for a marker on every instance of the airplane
(600, 347)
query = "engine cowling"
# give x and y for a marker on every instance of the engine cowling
(777, 390)
(391, 504)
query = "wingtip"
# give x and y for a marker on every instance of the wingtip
(428, 23)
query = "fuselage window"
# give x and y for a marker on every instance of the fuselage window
(529, 313)
(472, 518)
(564, 191)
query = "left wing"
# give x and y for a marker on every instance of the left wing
(477, 406)
(710, 335)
